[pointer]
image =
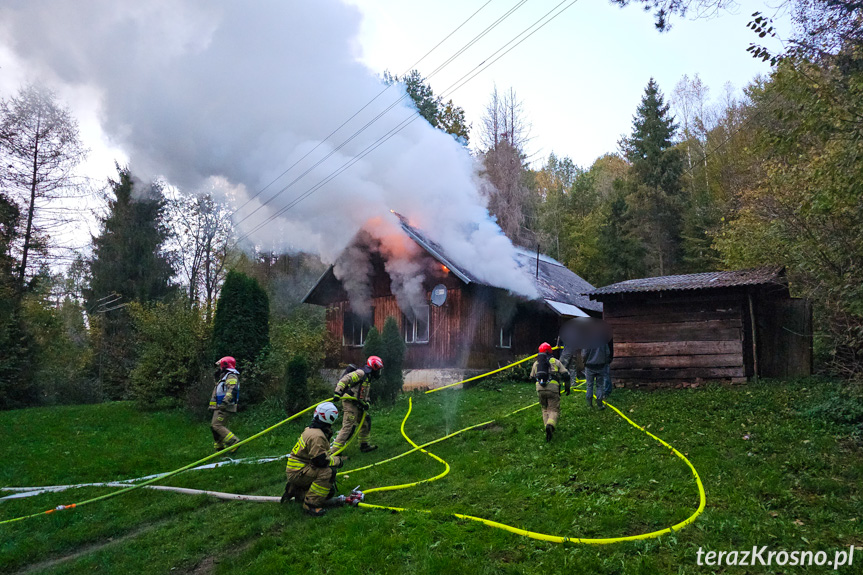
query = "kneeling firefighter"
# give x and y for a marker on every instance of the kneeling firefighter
(353, 390)
(548, 373)
(311, 470)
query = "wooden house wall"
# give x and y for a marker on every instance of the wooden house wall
(677, 340)
(462, 333)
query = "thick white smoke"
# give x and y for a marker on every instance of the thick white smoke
(231, 93)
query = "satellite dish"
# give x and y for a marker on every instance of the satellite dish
(438, 295)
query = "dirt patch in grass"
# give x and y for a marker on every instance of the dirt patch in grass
(51, 563)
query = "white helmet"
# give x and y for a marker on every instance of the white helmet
(327, 412)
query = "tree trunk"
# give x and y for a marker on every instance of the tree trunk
(26, 248)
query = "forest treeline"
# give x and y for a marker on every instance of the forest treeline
(770, 175)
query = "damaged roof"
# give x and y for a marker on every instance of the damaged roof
(563, 291)
(769, 275)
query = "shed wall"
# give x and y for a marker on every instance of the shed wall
(672, 342)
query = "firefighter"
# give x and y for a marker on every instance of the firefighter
(548, 373)
(355, 384)
(311, 470)
(224, 402)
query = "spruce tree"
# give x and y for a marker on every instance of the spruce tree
(393, 356)
(654, 193)
(373, 345)
(241, 326)
(128, 265)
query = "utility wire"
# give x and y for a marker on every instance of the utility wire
(376, 118)
(343, 124)
(414, 116)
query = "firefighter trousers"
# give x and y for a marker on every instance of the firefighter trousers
(222, 436)
(351, 414)
(313, 485)
(549, 400)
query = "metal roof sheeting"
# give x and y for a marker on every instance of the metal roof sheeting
(555, 282)
(708, 280)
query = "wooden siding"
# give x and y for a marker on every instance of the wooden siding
(676, 341)
(462, 333)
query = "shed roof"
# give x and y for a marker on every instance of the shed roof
(768, 275)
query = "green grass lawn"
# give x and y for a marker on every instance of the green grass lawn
(780, 461)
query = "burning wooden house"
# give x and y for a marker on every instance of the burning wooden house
(731, 326)
(461, 322)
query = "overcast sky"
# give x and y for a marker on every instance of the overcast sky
(580, 77)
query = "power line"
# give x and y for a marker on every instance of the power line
(377, 117)
(408, 120)
(343, 124)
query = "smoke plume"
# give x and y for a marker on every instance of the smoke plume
(229, 94)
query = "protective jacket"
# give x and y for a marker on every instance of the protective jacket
(226, 393)
(311, 449)
(556, 374)
(356, 384)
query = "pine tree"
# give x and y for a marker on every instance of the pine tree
(654, 193)
(128, 265)
(393, 355)
(241, 327)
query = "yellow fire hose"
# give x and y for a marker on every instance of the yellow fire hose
(543, 536)
(415, 447)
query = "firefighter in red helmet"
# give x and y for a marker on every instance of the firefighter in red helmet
(224, 402)
(548, 373)
(356, 383)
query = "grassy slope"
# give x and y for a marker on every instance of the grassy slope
(794, 484)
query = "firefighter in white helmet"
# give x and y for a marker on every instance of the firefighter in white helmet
(311, 470)
(353, 390)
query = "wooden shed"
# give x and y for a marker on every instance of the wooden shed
(730, 326)
(479, 326)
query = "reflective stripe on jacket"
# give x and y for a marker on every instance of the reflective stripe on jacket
(356, 384)
(227, 391)
(311, 449)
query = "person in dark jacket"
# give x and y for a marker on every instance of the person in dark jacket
(596, 371)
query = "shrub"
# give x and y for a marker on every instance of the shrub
(296, 384)
(172, 349)
(393, 354)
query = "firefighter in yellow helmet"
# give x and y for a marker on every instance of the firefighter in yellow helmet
(548, 373)
(356, 384)
(223, 402)
(311, 470)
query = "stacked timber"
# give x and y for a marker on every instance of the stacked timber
(676, 344)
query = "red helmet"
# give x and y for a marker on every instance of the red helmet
(375, 362)
(544, 348)
(227, 362)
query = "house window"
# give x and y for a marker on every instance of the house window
(355, 329)
(417, 331)
(505, 337)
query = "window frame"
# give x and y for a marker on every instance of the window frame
(411, 332)
(364, 327)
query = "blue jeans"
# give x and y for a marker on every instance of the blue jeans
(598, 379)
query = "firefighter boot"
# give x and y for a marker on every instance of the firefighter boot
(549, 432)
(366, 447)
(314, 511)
